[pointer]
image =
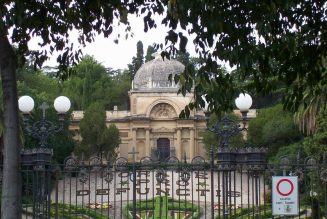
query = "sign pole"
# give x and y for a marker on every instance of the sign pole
(284, 174)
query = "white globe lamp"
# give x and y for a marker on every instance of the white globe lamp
(61, 104)
(243, 102)
(25, 104)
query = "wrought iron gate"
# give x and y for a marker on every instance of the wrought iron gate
(99, 188)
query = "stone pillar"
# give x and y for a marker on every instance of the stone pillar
(134, 138)
(147, 142)
(178, 145)
(191, 143)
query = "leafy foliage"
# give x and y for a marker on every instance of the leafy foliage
(161, 205)
(149, 53)
(245, 34)
(273, 128)
(251, 34)
(87, 91)
(313, 102)
(137, 61)
(316, 145)
(92, 82)
(75, 212)
(96, 137)
(293, 150)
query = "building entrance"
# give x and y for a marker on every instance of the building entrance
(163, 148)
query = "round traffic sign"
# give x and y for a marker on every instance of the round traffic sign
(286, 190)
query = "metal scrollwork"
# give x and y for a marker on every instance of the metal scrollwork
(198, 163)
(299, 173)
(255, 167)
(146, 163)
(225, 128)
(311, 163)
(70, 163)
(285, 163)
(271, 171)
(185, 176)
(83, 176)
(121, 164)
(95, 162)
(107, 175)
(172, 163)
(161, 175)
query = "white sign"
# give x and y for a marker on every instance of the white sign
(285, 195)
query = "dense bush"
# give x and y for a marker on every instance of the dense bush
(273, 128)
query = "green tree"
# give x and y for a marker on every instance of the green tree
(92, 82)
(272, 128)
(253, 36)
(292, 150)
(82, 86)
(73, 88)
(88, 65)
(183, 57)
(138, 60)
(117, 93)
(87, 91)
(316, 144)
(96, 137)
(110, 140)
(149, 53)
(313, 102)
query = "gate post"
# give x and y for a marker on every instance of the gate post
(39, 158)
(134, 180)
(212, 182)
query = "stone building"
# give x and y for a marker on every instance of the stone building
(152, 124)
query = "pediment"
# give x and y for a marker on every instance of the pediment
(163, 110)
(163, 129)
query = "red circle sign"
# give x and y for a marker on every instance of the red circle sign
(285, 193)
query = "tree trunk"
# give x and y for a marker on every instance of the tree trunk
(11, 187)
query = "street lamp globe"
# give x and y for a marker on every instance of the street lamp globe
(25, 104)
(62, 104)
(243, 102)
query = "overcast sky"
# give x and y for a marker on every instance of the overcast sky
(117, 56)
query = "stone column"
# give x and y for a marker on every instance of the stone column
(191, 143)
(134, 138)
(147, 142)
(178, 145)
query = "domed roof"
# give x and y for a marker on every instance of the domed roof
(155, 73)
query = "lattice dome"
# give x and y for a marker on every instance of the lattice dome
(155, 73)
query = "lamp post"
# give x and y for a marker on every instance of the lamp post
(228, 158)
(39, 157)
(42, 130)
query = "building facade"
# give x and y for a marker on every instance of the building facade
(152, 125)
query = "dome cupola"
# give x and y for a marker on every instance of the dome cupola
(155, 73)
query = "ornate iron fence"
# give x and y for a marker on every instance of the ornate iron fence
(231, 187)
